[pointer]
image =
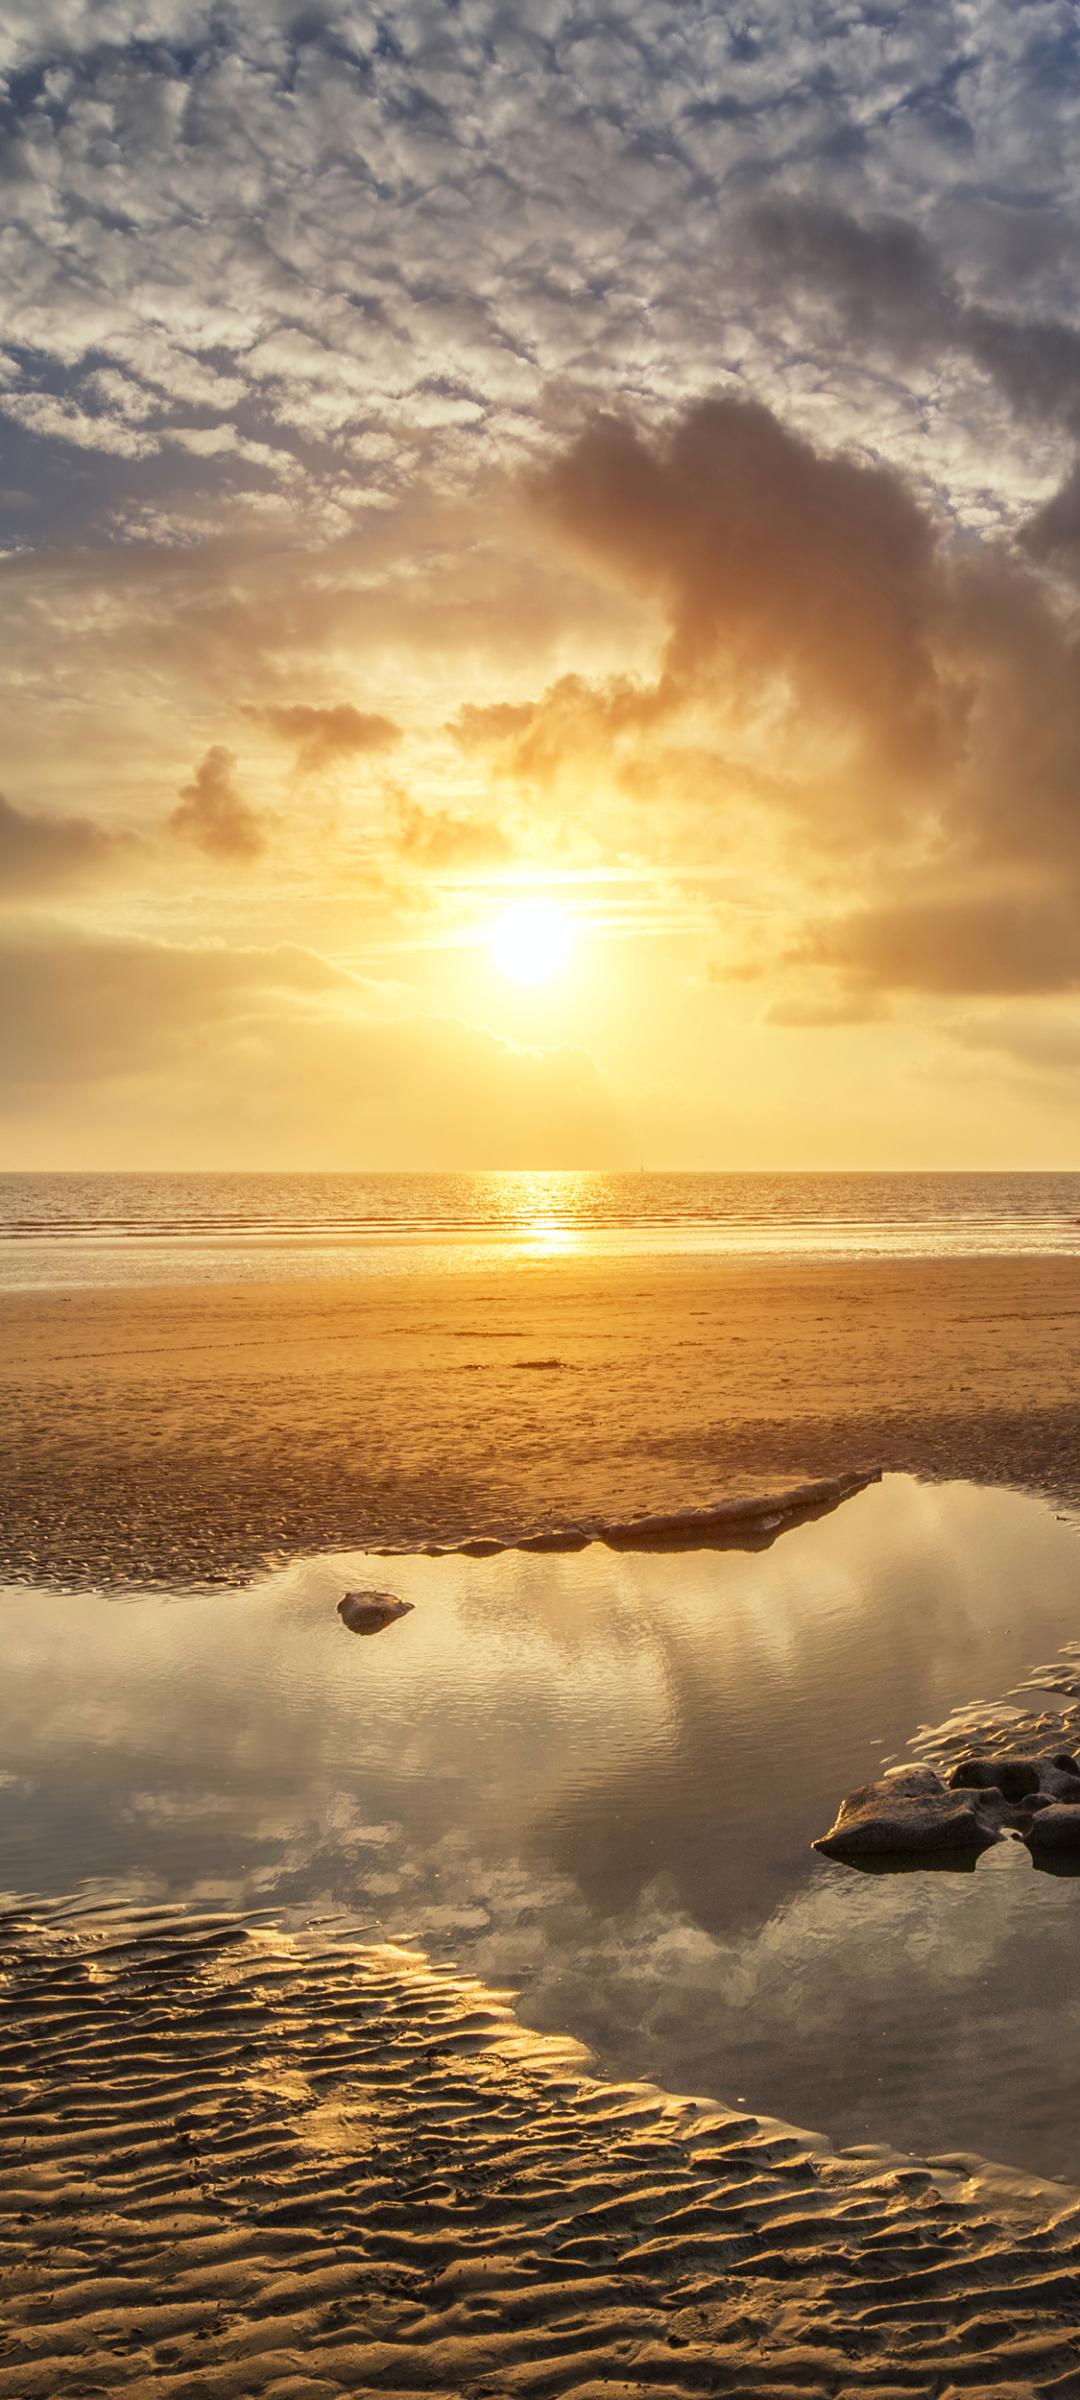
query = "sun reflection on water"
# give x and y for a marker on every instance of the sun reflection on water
(550, 1212)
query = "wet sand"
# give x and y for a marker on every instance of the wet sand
(235, 2166)
(200, 1433)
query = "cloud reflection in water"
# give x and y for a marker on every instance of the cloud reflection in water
(596, 1778)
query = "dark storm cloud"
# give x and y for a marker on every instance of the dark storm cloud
(38, 852)
(214, 814)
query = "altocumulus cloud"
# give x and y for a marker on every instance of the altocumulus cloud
(278, 1054)
(296, 254)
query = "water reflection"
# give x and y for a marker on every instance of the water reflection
(596, 1777)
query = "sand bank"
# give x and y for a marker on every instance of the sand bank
(154, 1434)
(233, 2166)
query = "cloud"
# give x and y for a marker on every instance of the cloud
(856, 1007)
(322, 735)
(780, 567)
(39, 852)
(440, 838)
(890, 286)
(214, 814)
(1011, 943)
(226, 1057)
(1045, 1043)
(349, 256)
(481, 728)
(900, 705)
(883, 276)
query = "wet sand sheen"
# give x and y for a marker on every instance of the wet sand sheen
(159, 1434)
(233, 2165)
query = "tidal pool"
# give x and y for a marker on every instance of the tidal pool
(594, 1779)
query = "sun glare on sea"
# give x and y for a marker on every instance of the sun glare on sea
(530, 942)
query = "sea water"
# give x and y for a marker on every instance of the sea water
(595, 1780)
(67, 1230)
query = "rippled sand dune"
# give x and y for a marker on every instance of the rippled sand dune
(235, 2165)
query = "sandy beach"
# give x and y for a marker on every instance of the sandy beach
(233, 2164)
(236, 2165)
(200, 1432)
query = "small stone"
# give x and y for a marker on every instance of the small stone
(369, 1611)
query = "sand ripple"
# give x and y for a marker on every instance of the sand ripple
(236, 2165)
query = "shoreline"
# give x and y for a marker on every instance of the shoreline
(202, 1433)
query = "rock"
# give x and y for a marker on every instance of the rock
(1020, 1780)
(1014, 1778)
(1039, 1798)
(1054, 1828)
(368, 1612)
(911, 1811)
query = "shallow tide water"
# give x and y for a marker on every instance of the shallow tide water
(595, 1779)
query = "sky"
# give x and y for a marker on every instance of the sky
(621, 462)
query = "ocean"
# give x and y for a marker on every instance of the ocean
(63, 1231)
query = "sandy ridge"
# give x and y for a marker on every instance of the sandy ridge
(233, 2166)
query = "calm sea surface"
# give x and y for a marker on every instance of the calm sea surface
(118, 1229)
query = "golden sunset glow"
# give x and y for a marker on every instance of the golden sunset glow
(531, 942)
(368, 603)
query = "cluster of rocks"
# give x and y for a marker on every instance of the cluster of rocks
(984, 1799)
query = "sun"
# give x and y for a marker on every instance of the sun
(530, 942)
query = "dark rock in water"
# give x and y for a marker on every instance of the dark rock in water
(1054, 1828)
(912, 1811)
(368, 1612)
(1021, 1779)
(985, 1797)
(1014, 1778)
